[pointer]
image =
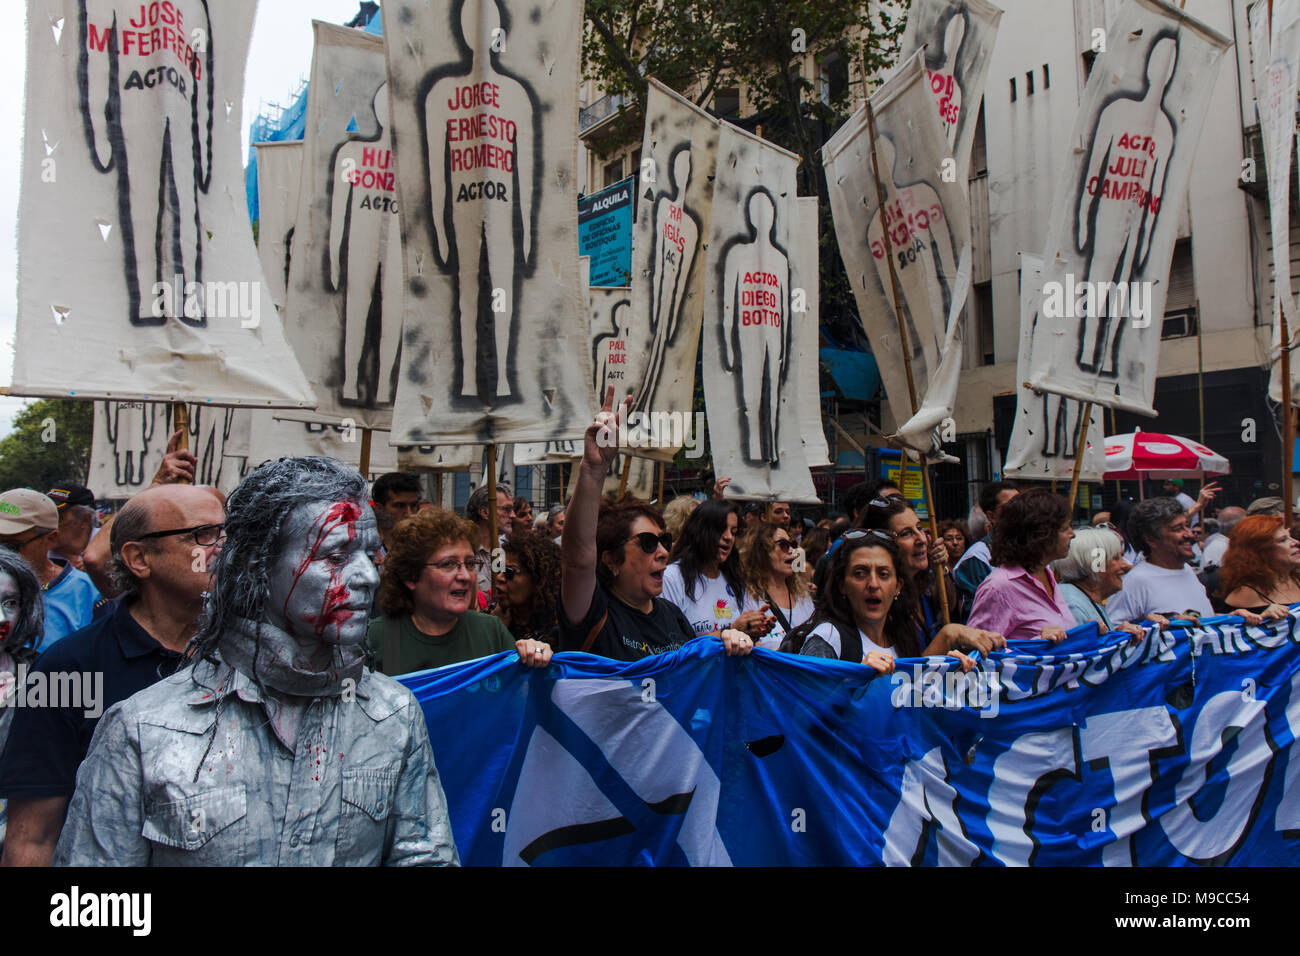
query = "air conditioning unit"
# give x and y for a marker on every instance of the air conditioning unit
(1179, 325)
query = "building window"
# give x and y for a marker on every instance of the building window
(613, 171)
(832, 77)
(1029, 83)
(984, 308)
(1013, 89)
(1047, 78)
(727, 102)
(979, 153)
(636, 163)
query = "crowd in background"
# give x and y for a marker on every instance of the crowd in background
(622, 579)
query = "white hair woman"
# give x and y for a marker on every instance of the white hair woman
(1092, 572)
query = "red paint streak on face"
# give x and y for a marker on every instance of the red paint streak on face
(340, 514)
(4, 630)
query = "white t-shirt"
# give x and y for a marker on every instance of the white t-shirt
(827, 632)
(803, 609)
(714, 607)
(1148, 589)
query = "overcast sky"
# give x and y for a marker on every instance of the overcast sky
(280, 56)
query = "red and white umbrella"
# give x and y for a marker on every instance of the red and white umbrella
(1153, 455)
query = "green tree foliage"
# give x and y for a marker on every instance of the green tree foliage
(50, 443)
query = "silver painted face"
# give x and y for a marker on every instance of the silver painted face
(325, 580)
(9, 604)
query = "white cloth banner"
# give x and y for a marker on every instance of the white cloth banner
(928, 219)
(279, 171)
(1110, 239)
(750, 367)
(1047, 426)
(130, 440)
(1276, 68)
(344, 311)
(274, 438)
(958, 36)
(805, 279)
(484, 100)
(138, 278)
(674, 197)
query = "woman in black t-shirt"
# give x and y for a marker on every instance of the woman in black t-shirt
(613, 558)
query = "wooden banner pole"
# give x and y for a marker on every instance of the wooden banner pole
(904, 345)
(492, 497)
(367, 436)
(1080, 438)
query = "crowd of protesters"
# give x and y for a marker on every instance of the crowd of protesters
(622, 579)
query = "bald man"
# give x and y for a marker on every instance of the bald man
(1216, 545)
(163, 543)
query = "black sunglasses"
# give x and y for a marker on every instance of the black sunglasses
(784, 544)
(511, 572)
(650, 541)
(204, 534)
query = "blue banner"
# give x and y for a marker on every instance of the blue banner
(605, 233)
(1173, 750)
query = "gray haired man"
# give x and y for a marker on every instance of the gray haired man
(277, 746)
(1164, 583)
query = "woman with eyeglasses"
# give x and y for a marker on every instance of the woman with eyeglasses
(525, 590)
(427, 593)
(613, 557)
(864, 614)
(705, 579)
(1020, 597)
(768, 560)
(955, 538)
(895, 517)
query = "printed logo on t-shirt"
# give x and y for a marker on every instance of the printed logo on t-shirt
(721, 612)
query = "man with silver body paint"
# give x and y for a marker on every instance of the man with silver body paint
(278, 746)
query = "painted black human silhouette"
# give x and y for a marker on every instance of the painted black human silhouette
(756, 325)
(365, 259)
(146, 85)
(483, 144)
(676, 233)
(1121, 199)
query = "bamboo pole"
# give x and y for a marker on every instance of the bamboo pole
(367, 436)
(1081, 436)
(905, 344)
(181, 421)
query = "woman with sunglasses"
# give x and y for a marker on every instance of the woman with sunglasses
(527, 587)
(895, 517)
(613, 558)
(863, 611)
(427, 592)
(705, 579)
(768, 559)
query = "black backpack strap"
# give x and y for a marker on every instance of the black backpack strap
(850, 645)
(777, 612)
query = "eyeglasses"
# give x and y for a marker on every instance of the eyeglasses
(874, 533)
(451, 565)
(784, 544)
(203, 535)
(650, 541)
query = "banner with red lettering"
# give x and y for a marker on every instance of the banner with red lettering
(958, 37)
(279, 171)
(484, 110)
(137, 274)
(343, 314)
(751, 311)
(928, 219)
(1043, 438)
(1110, 238)
(1277, 61)
(674, 200)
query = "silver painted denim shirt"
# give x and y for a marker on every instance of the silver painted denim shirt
(189, 772)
